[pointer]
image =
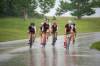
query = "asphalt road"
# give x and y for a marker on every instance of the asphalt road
(78, 54)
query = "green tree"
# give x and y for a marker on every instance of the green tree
(1, 8)
(78, 8)
(26, 7)
(46, 5)
(95, 3)
(6, 7)
(17, 7)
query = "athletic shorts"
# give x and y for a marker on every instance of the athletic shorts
(31, 32)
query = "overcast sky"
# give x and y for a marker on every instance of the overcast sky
(53, 11)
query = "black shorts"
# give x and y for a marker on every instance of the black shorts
(53, 31)
(31, 32)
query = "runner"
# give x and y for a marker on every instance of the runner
(73, 32)
(44, 29)
(41, 32)
(70, 33)
(54, 29)
(48, 28)
(32, 31)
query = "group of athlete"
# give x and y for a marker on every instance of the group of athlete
(47, 29)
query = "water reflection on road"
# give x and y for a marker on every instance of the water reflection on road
(43, 58)
(31, 57)
(77, 55)
(54, 58)
(51, 57)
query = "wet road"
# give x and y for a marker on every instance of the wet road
(78, 54)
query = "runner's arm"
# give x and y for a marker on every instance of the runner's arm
(65, 31)
(35, 28)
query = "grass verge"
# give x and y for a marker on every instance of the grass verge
(17, 28)
(96, 45)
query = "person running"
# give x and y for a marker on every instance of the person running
(44, 29)
(48, 28)
(41, 31)
(70, 31)
(54, 29)
(47, 25)
(73, 32)
(32, 30)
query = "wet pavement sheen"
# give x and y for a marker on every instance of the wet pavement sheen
(61, 57)
(78, 54)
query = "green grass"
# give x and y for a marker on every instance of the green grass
(83, 25)
(88, 25)
(96, 45)
(16, 28)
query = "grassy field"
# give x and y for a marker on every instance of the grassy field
(16, 28)
(96, 45)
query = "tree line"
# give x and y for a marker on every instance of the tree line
(24, 7)
(78, 8)
(27, 8)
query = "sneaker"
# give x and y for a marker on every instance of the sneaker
(56, 38)
(64, 46)
(28, 43)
